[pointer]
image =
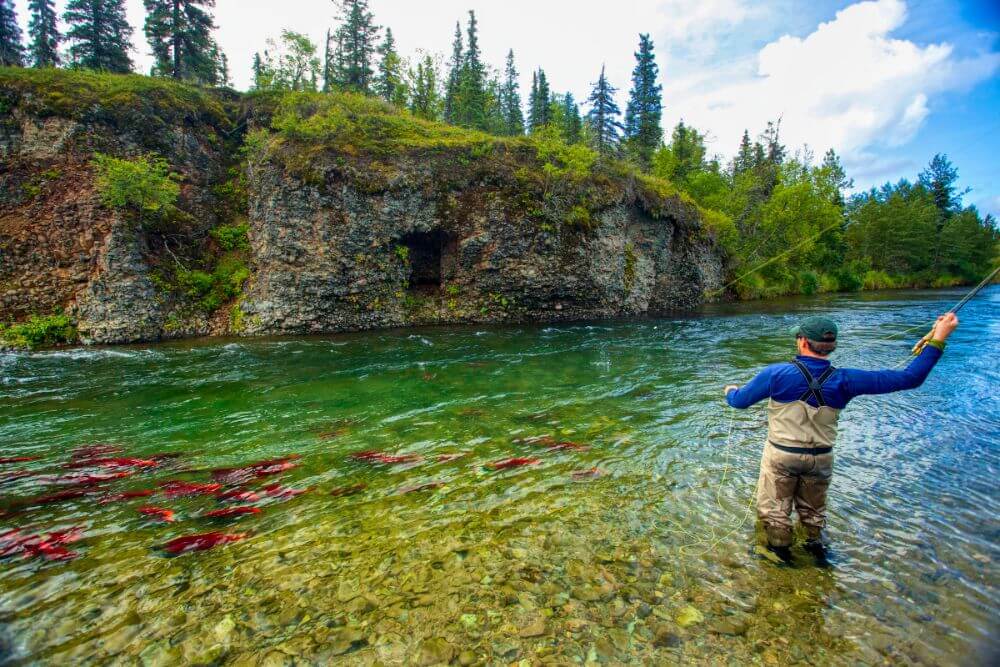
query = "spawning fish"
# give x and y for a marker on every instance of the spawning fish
(48, 546)
(260, 469)
(57, 497)
(177, 488)
(421, 487)
(238, 495)
(112, 463)
(94, 451)
(200, 542)
(17, 459)
(566, 445)
(125, 495)
(349, 490)
(586, 474)
(87, 479)
(278, 491)
(515, 462)
(161, 513)
(231, 512)
(373, 456)
(444, 458)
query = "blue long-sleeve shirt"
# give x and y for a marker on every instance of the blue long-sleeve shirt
(783, 382)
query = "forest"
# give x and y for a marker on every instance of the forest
(789, 222)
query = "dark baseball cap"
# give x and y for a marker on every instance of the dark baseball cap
(819, 329)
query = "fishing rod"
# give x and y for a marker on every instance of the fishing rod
(957, 307)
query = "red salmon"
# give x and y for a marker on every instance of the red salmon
(231, 512)
(200, 542)
(372, 456)
(278, 491)
(17, 459)
(125, 495)
(177, 488)
(349, 490)
(161, 513)
(112, 463)
(515, 462)
(238, 495)
(586, 474)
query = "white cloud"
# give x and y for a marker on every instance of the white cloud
(848, 85)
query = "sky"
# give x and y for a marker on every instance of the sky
(886, 83)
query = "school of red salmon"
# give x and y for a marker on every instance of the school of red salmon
(95, 467)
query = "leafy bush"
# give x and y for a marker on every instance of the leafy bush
(144, 185)
(211, 290)
(808, 283)
(578, 216)
(232, 237)
(39, 331)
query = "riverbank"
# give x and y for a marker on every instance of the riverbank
(147, 210)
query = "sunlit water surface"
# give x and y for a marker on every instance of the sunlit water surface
(650, 561)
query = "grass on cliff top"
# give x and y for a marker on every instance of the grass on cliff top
(359, 126)
(80, 94)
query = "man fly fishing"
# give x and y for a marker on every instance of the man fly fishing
(806, 396)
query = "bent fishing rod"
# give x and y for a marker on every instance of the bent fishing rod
(957, 307)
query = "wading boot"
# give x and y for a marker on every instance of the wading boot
(783, 553)
(819, 553)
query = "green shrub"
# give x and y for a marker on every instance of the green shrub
(144, 185)
(808, 283)
(878, 280)
(578, 216)
(403, 252)
(39, 331)
(232, 237)
(848, 280)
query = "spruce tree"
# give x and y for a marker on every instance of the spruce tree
(425, 100)
(180, 32)
(471, 112)
(572, 123)
(743, 161)
(455, 66)
(11, 49)
(44, 33)
(389, 79)
(510, 100)
(355, 38)
(603, 116)
(99, 34)
(642, 115)
(539, 104)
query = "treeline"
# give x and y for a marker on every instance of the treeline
(787, 214)
(97, 36)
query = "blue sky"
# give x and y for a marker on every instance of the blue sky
(887, 83)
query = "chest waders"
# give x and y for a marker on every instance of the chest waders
(797, 463)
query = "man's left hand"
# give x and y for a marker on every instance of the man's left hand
(728, 388)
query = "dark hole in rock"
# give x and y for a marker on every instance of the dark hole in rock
(425, 253)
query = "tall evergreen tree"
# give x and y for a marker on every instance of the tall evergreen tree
(455, 66)
(644, 110)
(603, 116)
(11, 49)
(471, 110)
(180, 33)
(389, 83)
(572, 124)
(743, 161)
(425, 99)
(939, 179)
(539, 104)
(355, 38)
(327, 62)
(510, 99)
(44, 33)
(99, 34)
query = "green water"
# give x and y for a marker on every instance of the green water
(651, 561)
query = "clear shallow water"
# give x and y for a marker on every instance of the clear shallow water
(652, 561)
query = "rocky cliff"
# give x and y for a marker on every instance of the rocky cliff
(308, 214)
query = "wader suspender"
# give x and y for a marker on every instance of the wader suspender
(815, 384)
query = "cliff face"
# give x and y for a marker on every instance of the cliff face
(356, 217)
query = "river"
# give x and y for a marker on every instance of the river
(646, 555)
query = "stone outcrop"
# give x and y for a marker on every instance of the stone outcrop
(338, 240)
